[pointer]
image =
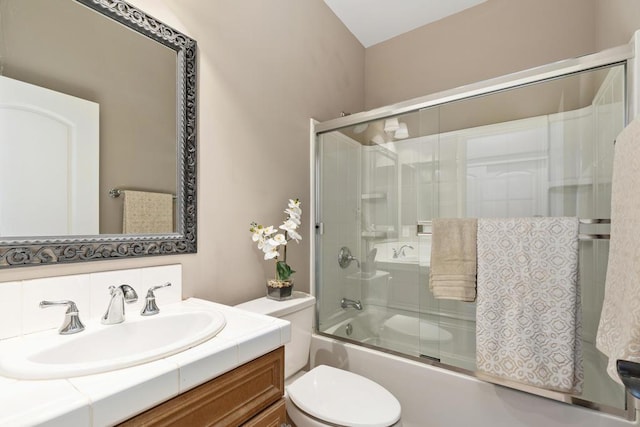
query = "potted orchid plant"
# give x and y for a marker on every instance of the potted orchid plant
(273, 243)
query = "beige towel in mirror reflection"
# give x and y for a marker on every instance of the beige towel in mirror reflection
(147, 213)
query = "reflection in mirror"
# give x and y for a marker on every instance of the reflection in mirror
(97, 99)
(127, 76)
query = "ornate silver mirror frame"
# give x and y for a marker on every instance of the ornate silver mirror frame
(92, 248)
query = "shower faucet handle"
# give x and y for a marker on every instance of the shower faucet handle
(345, 258)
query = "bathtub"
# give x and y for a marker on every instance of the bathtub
(414, 355)
(430, 337)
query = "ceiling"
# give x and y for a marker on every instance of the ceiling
(374, 21)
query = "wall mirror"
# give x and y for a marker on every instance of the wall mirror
(97, 106)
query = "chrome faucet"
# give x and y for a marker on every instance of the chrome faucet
(345, 258)
(115, 310)
(346, 303)
(72, 323)
(400, 252)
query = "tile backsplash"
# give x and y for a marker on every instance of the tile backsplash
(19, 300)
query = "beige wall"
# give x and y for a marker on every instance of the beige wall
(265, 68)
(492, 39)
(489, 40)
(616, 21)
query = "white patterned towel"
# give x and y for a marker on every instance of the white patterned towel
(619, 329)
(528, 307)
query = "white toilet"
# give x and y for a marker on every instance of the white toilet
(324, 396)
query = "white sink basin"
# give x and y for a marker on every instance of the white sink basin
(102, 348)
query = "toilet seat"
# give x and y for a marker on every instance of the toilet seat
(343, 398)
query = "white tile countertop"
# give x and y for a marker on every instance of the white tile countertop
(112, 397)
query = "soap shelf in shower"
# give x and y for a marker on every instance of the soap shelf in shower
(374, 196)
(374, 234)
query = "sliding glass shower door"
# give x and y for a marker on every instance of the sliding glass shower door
(539, 150)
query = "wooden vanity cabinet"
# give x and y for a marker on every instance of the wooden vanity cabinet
(250, 395)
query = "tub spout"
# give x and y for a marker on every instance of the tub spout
(346, 303)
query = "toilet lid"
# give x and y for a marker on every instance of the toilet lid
(344, 398)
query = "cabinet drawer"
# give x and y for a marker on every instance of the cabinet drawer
(229, 400)
(274, 416)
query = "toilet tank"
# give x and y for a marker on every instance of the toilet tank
(299, 311)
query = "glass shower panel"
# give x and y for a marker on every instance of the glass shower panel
(543, 149)
(339, 161)
(447, 326)
(402, 254)
(426, 166)
(387, 206)
(540, 150)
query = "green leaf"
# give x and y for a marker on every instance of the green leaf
(283, 271)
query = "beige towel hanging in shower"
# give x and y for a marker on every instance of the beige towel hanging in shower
(619, 329)
(452, 273)
(147, 213)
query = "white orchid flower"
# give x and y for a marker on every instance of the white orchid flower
(269, 239)
(294, 235)
(271, 254)
(285, 226)
(293, 215)
(288, 226)
(294, 210)
(267, 247)
(294, 203)
(277, 240)
(268, 231)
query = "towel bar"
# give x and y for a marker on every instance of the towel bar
(595, 221)
(424, 229)
(116, 192)
(594, 236)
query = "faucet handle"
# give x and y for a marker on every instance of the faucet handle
(150, 307)
(72, 323)
(345, 258)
